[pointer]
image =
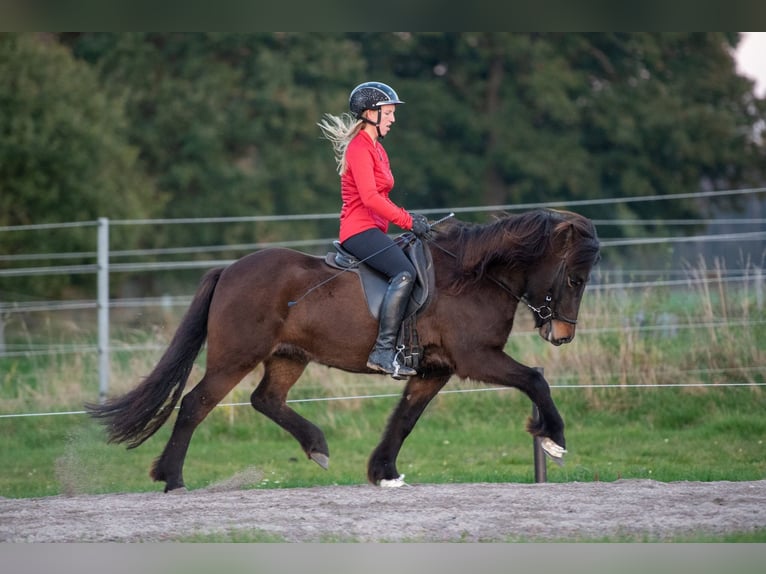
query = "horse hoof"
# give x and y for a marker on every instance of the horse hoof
(392, 482)
(321, 459)
(555, 452)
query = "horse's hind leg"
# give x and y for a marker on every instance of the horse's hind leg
(270, 398)
(195, 406)
(416, 397)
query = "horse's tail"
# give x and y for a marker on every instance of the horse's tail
(135, 416)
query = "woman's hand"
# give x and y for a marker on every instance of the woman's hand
(420, 226)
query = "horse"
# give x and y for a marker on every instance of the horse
(248, 315)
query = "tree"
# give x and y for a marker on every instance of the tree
(226, 123)
(499, 117)
(63, 153)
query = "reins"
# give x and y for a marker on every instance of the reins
(356, 264)
(544, 312)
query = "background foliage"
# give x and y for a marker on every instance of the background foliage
(170, 125)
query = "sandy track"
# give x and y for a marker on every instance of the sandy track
(426, 513)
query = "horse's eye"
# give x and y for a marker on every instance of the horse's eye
(574, 282)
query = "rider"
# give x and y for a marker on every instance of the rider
(366, 182)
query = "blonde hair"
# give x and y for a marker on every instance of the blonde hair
(340, 130)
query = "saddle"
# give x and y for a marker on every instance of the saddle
(375, 284)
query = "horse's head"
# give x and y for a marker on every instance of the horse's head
(555, 287)
(547, 253)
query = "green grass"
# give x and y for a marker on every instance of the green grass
(667, 434)
(755, 536)
(256, 536)
(236, 535)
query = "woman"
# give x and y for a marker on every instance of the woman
(366, 182)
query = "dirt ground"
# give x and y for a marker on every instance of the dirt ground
(416, 513)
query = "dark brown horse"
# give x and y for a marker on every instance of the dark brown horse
(542, 259)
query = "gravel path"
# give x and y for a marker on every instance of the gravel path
(420, 513)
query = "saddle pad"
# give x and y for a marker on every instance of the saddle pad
(375, 284)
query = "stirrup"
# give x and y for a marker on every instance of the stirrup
(401, 372)
(394, 368)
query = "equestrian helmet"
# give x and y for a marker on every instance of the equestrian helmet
(370, 96)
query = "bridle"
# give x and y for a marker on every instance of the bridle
(544, 312)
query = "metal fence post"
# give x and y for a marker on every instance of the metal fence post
(541, 470)
(103, 307)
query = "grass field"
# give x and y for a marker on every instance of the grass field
(665, 434)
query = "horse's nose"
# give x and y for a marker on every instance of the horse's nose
(562, 341)
(561, 332)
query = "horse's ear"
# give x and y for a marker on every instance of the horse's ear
(565, 230)
(576, 235)
(571, 225)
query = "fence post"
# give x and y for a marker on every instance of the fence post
(103, 307)
(541, 470)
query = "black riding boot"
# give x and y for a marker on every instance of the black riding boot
(383, 357)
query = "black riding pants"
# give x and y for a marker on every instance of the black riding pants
(384, 255)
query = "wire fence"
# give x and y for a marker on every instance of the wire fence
(443, 392)
(747, 273)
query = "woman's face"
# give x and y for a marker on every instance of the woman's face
(386, 117)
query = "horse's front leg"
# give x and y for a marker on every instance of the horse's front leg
(381, 467)
(548, 425)
(495, 367)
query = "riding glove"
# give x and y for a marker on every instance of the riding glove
(420, 226)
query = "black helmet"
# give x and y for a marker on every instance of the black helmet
(370, 96)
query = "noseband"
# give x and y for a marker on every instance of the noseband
(544, 312)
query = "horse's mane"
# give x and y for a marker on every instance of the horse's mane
(514, 241)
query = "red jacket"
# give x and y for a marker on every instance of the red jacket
(365, 186)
